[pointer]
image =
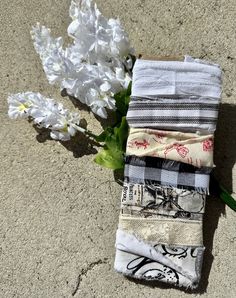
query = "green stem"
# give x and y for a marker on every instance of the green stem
(91, 135)
(227, 198)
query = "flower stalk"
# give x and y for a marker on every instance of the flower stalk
(96, 65)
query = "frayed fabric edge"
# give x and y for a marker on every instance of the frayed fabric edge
(150, 252)
(202, 190)
(191, 285)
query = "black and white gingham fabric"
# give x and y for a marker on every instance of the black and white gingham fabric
(153, 170)
(183, 114)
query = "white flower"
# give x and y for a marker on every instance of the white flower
(18, 106)
(97, 100)
(96, 57)
(45, 112)
(55, 64)
(97, 37)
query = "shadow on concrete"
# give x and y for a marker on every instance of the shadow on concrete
(80, 145)
(77, 104)
(109, 121)
(224, 158)
(225, 145)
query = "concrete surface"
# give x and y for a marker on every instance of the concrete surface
(59, 210)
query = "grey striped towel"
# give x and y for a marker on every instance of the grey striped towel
(182, 114)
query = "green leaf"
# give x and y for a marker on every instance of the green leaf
(102, 137)
(112, 159)
(112, 156)
(217, 190)
(114, 138)
(227, 198)
(121, 133)
(122, 99)
(128, 91)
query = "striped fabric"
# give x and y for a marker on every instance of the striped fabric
(184, 114)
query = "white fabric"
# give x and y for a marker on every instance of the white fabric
(140, 267)
(131, 244)
(176, 78)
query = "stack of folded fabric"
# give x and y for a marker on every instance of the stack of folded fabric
(172, 117)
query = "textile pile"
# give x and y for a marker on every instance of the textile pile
(169, 156)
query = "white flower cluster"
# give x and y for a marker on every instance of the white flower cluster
(45, 112)
(94, 67)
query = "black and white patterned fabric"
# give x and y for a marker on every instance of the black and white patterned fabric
(142, 267)
(143, 200)
(158, 171)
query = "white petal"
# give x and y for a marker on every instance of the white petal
(71, 130)
(57, 135)
(73, 27)
(105, 87)
(100, 46)
(100, 111)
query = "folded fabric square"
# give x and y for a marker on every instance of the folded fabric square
(188, 148)
(153, 170)
(176, 78)
(191, 113)
(141, 267)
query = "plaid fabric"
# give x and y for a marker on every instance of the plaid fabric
(175, 114)
(153, 170)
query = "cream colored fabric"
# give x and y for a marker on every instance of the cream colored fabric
(164, 231)
(189, 148)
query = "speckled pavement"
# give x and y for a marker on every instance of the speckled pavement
(58, 209)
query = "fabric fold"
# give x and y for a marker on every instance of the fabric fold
(168, 255)
(188, 148)
(182, 114)
(157, 171)
(141, 267)
(174, 78)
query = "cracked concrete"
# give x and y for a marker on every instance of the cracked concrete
(85, 271)
(58, 209)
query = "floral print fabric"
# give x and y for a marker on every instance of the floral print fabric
(188, 148)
